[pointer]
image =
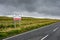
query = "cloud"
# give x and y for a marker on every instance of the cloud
(38, 8)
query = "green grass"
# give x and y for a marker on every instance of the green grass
(27, 23)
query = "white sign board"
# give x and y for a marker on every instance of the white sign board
(17, 18)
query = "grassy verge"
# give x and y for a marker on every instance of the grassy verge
(26, 24)
(18, 31)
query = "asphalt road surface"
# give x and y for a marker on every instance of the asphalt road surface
(50, 32)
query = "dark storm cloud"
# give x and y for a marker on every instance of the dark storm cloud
(50, 7)
(45, 7)
(22, 4)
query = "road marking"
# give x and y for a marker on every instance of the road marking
(28, 32)
(44, 37)
(55, 29)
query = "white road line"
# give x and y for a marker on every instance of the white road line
(28, 32)
(44, 37)
(55, 29)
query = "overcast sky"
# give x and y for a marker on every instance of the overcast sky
(33, 8)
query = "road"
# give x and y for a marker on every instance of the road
(50, 32)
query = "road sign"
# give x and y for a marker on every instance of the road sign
(16, 18)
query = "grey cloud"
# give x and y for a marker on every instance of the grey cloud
(22, 4)
(46, 7)
(50, 7)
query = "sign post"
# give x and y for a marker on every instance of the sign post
(16, 18)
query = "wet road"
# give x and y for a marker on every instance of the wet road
(50, 32)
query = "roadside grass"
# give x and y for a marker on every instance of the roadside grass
(18, 31)
(7, 29)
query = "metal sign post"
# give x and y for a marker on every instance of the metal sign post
(16, 18)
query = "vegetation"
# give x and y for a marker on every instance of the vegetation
(7, 28)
